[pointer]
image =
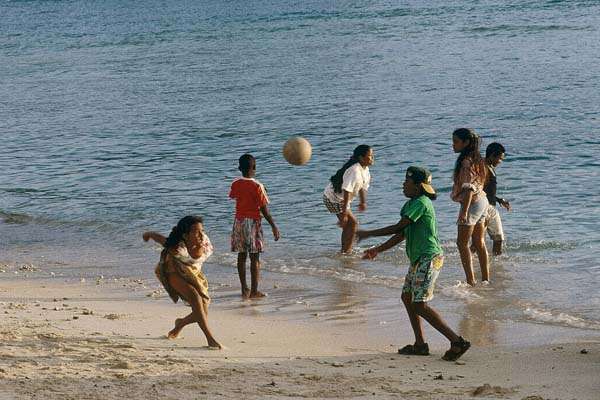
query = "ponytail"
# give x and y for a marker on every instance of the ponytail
(338, 179)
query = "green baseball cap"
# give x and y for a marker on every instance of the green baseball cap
(421, 176)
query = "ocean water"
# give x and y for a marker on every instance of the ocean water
(122, 116)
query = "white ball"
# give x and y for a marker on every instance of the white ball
(297, 150)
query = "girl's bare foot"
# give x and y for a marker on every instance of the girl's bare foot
(214, 345)
(257, 295)
(245, 293)
(173, 333)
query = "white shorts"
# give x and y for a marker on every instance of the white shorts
(494, 224)
(477, 211)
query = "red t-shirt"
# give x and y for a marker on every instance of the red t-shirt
(250, 195)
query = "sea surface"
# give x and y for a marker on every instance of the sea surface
(118, 117)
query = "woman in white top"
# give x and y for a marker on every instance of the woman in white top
(351, 180)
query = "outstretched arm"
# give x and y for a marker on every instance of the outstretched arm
(157, 237)
(265, 212)
(388, 230)
(371, 253)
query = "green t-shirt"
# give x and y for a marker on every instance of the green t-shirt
(421, 234)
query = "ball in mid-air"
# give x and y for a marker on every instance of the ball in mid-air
(297, 150)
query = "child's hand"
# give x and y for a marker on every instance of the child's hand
(505, 204)
(370, 254)
(362, 207)
(146, 236)
(275, 233)
(343, 219)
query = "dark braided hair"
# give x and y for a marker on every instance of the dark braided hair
(183, 226)
(471, 151)
(338, 178)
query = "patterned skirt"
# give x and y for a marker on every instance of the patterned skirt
(332, 207)
(168, 265)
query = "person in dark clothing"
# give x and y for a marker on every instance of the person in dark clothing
(494, 155)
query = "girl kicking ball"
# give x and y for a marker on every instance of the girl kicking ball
(180, 272)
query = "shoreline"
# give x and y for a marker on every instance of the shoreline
(88, 340)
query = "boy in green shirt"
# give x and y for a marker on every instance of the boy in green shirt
(418, 226)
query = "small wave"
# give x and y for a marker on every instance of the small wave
(345, 275)
(460, 290)
(15, 218)
(526, 29)
(88, 225)
(529, 158)
(539, 245)
(559, 318)
(20, 190)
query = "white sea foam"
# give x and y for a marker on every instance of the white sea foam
(460, 290)
(559, 318)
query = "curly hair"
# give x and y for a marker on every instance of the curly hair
(246, 163)
(183, 227)
(471, 151)
(494, 149)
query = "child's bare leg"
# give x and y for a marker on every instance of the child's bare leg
(435, 320)
(481, 249)
(462, 242)
(241, 265)
(472, 246)
(497, 249)
(193, 297)
(181, 323)
(348, 232)
(255, 275)
(205, 306)
(415, 321)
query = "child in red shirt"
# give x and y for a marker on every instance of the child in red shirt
(247, 236)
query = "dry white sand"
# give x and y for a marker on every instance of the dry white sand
(99, 340)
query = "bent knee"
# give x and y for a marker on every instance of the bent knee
(351, 223)
(462, 243)
(419, 307)
(479, 244)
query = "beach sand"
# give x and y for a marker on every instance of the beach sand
(106, 340)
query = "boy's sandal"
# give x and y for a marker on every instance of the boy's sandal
(452, 355)
(415, 350)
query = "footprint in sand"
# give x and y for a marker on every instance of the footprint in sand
(122, 364)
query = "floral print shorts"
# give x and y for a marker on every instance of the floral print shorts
(247, 236)
(421, 277)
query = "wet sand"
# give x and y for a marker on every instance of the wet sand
(106, 340)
